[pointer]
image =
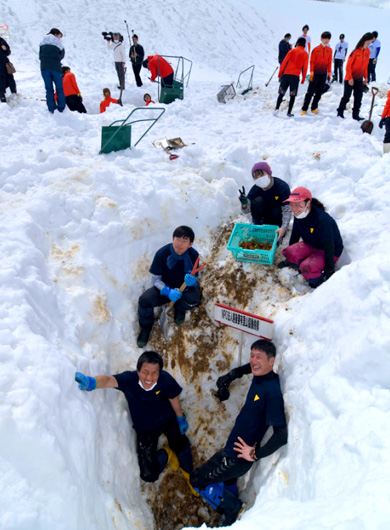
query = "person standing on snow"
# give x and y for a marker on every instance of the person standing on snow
(216, 480)
(356, 77)
(307, 38)
(152, 395)
(6, 79)
(284, 47)
(119, 51)
(72, 93)
(137, 57)
(171, 267)
(51, 53)
(294, 64)
(385, 121)
(158, 66)
(375, 48)
(340, 53)
(321, 245)
(320, 73)
(265, 199)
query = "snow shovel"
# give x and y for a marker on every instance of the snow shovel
(367, 125)
(163, 319)
(269, 80)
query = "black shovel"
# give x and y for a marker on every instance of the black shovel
(367, 125)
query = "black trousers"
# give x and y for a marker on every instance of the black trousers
(219, 468)
(288, 82)
(386, 139)
(152, 298)
(371, 70)
(147, 450)
(316, 89)
(264, 214)
(75, 102)
(6, 80)
(120, 70)
(167, 81)
(136, 70)
(338, 70)
(357, 89)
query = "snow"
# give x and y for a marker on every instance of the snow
(78, 234)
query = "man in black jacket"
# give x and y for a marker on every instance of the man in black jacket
(137, 56)
(5, 78)
(216, 479)
(51, 52)
(284, 47)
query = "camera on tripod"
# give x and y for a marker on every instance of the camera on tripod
(109, 35)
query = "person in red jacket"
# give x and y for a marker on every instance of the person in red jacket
(107, 100)
(148, 100)
(73, 97)
(356, 76)
(385, 121)
(320, 72)
(295, 63)
(158, 66)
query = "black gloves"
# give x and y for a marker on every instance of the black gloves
(242, 197)
(381, 123)
(223, 383)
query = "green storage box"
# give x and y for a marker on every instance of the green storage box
(262, 234)
(167, 95)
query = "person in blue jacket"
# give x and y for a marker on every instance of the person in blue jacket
(51, 53)
(375, 48)
(171, 267)
(152, 395)
(284, 47)
(321, 246)
(216, 480)
(265, 199)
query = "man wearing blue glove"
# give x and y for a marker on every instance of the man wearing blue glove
(171, 267)
(153, 398)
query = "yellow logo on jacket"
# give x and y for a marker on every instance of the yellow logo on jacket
(158, 391)
(276, 198)
(311, 230)
(256, 398)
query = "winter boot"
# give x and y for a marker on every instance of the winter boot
(386, 148)
(340, 114)
(285, 263)
(314, 111)
(180, 316)
(303, 112)
(3, 100)
(173, 461)
(143, 337)
(230, 507)
(186, 477)
(315, 282)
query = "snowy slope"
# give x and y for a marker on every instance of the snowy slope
(78, 233)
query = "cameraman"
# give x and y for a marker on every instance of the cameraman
(116, 44)
(137, 57)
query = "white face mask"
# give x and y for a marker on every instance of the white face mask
(303, 214)
(263, 182)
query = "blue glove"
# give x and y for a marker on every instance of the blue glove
(85, 381)
(381, 123)
(183, 423)
(190, 280)
(242, 197)
(173, 294)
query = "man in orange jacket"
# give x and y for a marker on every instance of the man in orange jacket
(73, 97)
(385, 121)
(320, 72)
(158, 66)
(295, 63)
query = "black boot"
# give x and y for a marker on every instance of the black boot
(230, 507)
(143, 337)
(285, 263)
(180, 316)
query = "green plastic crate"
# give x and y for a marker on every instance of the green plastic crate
(115, 138)
(262, 234)
(167, 95)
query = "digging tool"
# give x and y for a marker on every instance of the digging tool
(269, 80)
(367, 125)
(163, 319)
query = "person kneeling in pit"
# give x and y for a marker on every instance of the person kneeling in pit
(171, 267)
(265, 199)
(153, 398)
(216, 480)
(321, 246)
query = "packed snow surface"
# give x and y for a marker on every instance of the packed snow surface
(79, 231)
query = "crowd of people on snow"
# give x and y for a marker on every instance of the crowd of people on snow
(360, 71)
(315, 246)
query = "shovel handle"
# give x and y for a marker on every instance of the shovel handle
(194, 271)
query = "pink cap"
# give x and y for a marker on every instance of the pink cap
(299, 194)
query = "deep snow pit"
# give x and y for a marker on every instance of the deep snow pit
(196, 353)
